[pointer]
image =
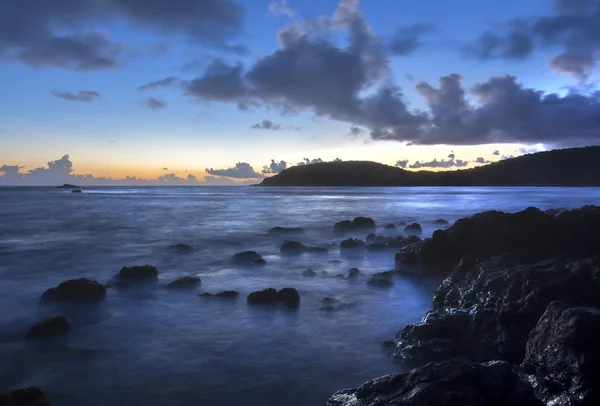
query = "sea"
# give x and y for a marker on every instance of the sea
(154, 346)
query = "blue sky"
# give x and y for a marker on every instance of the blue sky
(116, 133)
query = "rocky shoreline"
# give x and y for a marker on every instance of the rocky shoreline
(515, 322)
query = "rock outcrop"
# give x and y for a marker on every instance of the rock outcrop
(248, 258)
(454, 383)
(181, 248)
(32, 396)
(50, 327)
(359, 223)
(413, 228)
(380, 242)
(133, 274)
(352, 244)
(75, 290)
(227, 294)
(381, 279)
(185, 282)
(286, 230)
(287, 296)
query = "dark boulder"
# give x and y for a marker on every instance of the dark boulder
(364, 223)
(371, 238)
(32, 396)
(485, 310)
(562, 359)
(529, 235)
(181, 248)
(286, 230)
(441, 222)
(390, 227)
(137, 273)
(413, 228)
(75, 290)
(382, 279)
(445, 384)
(270, 296)
(352, 244)
(344, 226)
(248, 258)
(292, 247)
(309, 272)
(185, 282)
(353, 273)
(227, 294)
(50, 327)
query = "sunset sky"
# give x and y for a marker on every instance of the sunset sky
(179, 90)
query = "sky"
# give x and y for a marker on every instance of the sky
(229, 91)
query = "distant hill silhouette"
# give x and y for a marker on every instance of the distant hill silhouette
(565, 167)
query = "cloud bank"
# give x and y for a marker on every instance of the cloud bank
(86, 96)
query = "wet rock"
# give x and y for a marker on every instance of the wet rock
(352, 244)
(485, 310)
(353, 273)
(309, 273)
(181, 248)
(371, 238)
(364, 223)
(75, 290)
(389, 344)
(50, 327)
(292, 247)
(381, 242)
(413, 228)
(32, 396)
(441, 222)
(344, 226)
(286, 230)
(227, 294)
(185, 282)
(131, 274)
(270, 296)
(248, 258)
(382, 279)
(529, 235)
(562, 359)
(455, 383)
(390, 227)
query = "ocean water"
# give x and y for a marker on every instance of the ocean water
(152, 346)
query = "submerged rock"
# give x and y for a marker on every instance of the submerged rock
(364, 223)
(562, 358)
(137, 273)
(270, 296)
(50, 327)
(292, 247)
(318, 250)
(75, 290)
(445, 384)
(390, 226)
(332, 304)
(181, 248)
(529, 235)
(441, 222)
(382, 279)
(413, 228)
(184, 282)
(309, 272)
(32, 396)
(381, 242)
(344, 226)
(352, 243)
(286, 230)
(248, 258)
(227, 294)
(353, 273)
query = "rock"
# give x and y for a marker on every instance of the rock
(340, 275)
(413, 228)
(137, 273)
(227, 294)
(529, 235)
(390, 344)
(387, 242)
(287, 296)
(402, 223)
(248, 258)
(441, 222)
(309, 272)
(181, 248)
(292, 247)
(68, 186)
(445, 384)
(286, 230)
(383, 279)
(344, 226)
(364, 223)
(32, 396)
(352, 243)
(50, 327)
(390, 227)
(331, 304)
(75, 290)
(485, 310)
(184, 282)
(76, 191)
(371, 238)
(318, 250)
(335, 261)
(562, 358)
(353, 273)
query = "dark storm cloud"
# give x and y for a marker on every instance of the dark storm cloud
(49, 33)
(241, 170)
(402, 163)
(482, 160)
(86, 96)
(267, 125)
(406, 40)
(442, 163)
(166, 82)
(496, 153)
(153, 103)
(573, 30)
(275, 167)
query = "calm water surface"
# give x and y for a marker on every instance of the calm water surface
(150, 346)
